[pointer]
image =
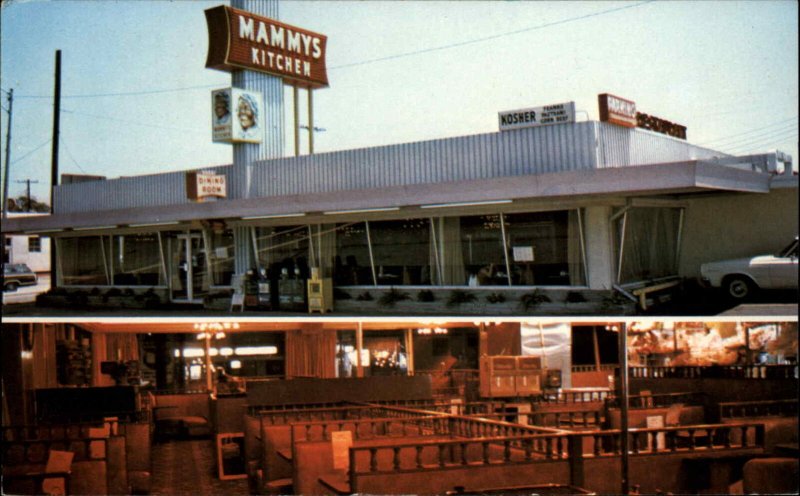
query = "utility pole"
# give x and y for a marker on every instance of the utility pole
(8, 155)
(28, 192)
(56, 131)
(54, 167)
(7, 170)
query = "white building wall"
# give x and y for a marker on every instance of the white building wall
(38, 261)
(599, 247)
(736, 225)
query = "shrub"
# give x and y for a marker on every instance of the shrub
(365, 296)
(459, 296)
(496, 298)
(531, 300)
(340, 294)
(389, 298)
(426, 296)
(575, 297)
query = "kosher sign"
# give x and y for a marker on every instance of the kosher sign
(236, 116)
(617, 110)
(238, 39)
(559, 113)
(202, 186)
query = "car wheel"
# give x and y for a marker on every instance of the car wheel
(739, 288)
(12, 286)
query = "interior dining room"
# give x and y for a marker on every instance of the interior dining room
(241, 406)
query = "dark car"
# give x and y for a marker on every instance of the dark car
(16, 275)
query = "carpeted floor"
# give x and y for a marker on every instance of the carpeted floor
(188, 467)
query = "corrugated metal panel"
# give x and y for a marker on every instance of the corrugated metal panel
(512, 153)
(620, 147)
(126, 192)
(525, 151)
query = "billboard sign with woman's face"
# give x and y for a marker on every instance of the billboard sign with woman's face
(221, 115)
(236, 116)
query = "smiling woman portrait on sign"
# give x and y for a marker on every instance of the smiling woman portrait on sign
(247, 113)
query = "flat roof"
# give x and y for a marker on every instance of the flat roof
(535, 191)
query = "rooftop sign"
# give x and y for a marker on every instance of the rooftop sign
(236, 116)
(202, 186)
(238, 39)
(617, 110)
(623, 112)
(537, 116)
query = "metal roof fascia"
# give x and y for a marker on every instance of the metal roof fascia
(649, 179)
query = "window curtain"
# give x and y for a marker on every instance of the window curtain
(575, 250)
(650, 244)
(325, 244)
(136, 260)
(310, 353)
(81, 260)
(264, 241)
(451, 254)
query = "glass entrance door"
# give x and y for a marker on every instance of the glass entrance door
(189, 268)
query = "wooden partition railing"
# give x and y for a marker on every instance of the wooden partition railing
(716, 372)
(258, 410)
(438, 405)
(565, 397)
(464, 426)
(538, 448)
(351, 411)
(743, 409)
(370, 428)
(660, 400)
(36, 451)
(609, 367)
(567, 419)
(34, 432)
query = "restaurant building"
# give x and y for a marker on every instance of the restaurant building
(545, 211)
(581, 206)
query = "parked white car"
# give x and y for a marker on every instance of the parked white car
(741, 277)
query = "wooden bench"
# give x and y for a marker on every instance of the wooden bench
(88, 471)
(115, 449)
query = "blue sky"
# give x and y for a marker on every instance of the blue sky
(398, 71)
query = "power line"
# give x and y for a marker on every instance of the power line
(759, 136)
(69, 154)
(32, 151)
(488, 38)
(124, 121)
(725, 138)
(759, 142)
(128, 93)
(763, 135)
(371, 61)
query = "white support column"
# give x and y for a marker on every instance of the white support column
(599, 247)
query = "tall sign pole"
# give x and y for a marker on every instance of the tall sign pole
(54, 165)
(262, 54)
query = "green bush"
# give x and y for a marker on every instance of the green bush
(459, 297)
(531, 300)
(389, 298)
(426, 296)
